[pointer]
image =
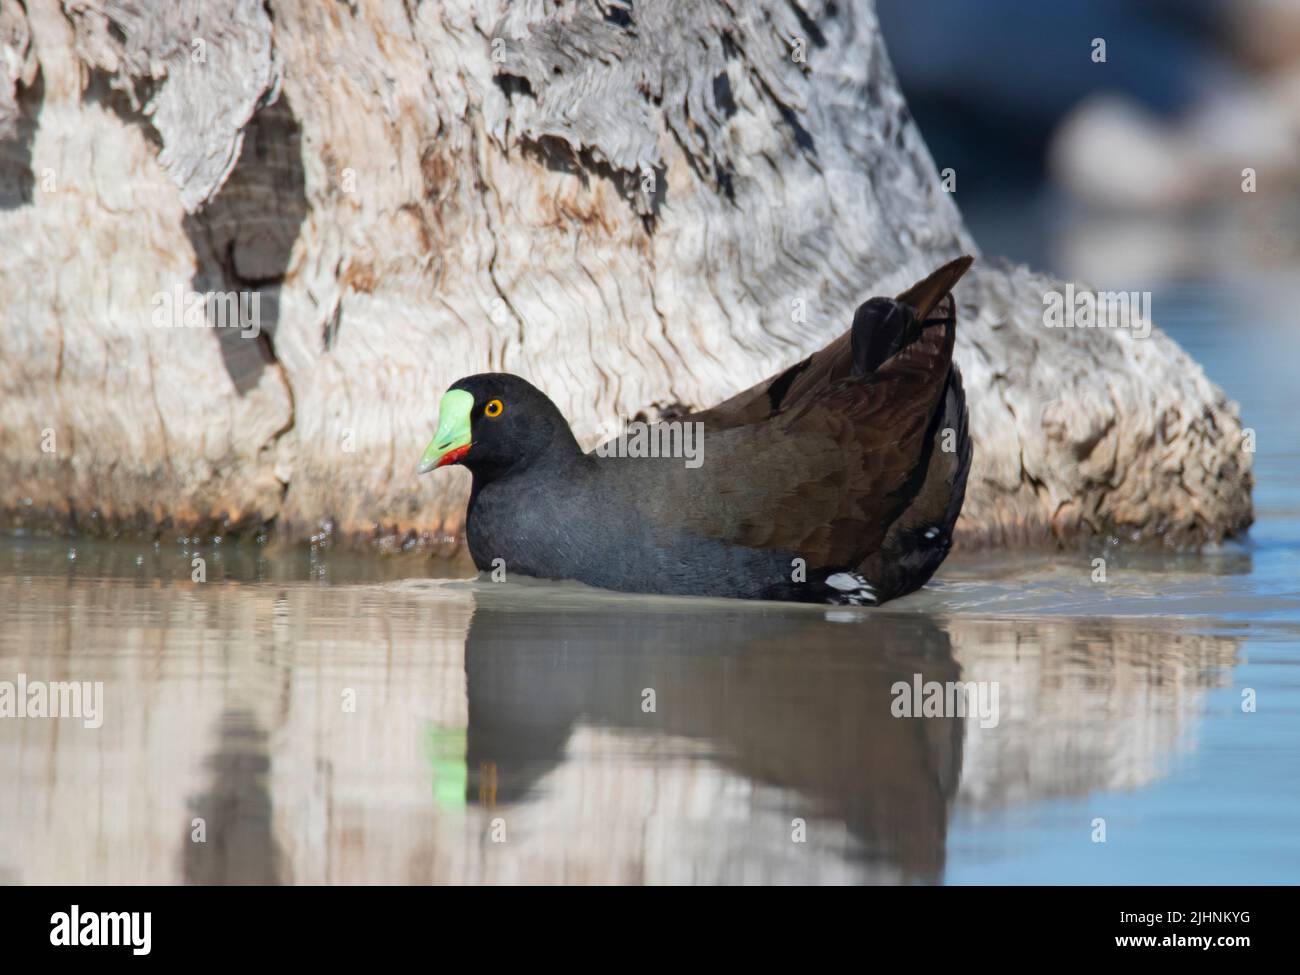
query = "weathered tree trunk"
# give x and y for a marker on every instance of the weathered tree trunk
(636, 206)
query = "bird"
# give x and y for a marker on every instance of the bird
(839, 480)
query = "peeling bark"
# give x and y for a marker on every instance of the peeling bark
(632, 205)
(18, 64)
(197, 70)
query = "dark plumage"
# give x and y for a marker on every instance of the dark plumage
(838, 480)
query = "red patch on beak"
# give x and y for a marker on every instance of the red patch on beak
(452, 456)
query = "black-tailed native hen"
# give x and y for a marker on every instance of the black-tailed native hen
(839, 480)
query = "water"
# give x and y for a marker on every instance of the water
(309, 717)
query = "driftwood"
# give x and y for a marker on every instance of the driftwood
(639, 207)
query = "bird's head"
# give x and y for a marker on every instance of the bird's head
(494, 423)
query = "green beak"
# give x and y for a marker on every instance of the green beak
(452, 441)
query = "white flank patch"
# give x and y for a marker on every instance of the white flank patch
(845, 581)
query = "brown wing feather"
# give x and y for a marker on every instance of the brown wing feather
(826, 478)
(832, 362)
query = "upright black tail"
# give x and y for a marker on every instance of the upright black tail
(881, 327)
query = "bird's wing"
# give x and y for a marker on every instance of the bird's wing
(825, 479)
(836, 360)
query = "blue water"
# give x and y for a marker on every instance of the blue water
(1228, 810)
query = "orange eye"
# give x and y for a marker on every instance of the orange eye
(494, 408)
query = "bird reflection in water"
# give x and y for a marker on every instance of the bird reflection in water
(770, 698)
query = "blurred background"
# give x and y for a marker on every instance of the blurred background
(1147, 145)
(1127, 167)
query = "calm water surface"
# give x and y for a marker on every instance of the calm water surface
(317, 718)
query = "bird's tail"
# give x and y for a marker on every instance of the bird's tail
(883, 326)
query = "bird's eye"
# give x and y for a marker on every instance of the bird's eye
(494, 408)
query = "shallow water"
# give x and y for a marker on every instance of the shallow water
(308, 717)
